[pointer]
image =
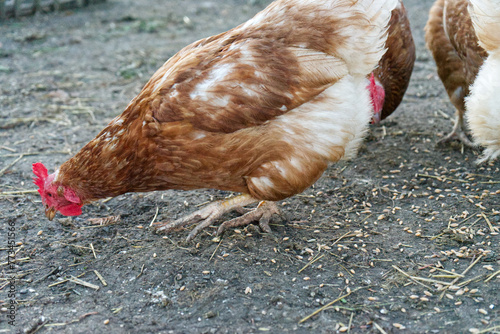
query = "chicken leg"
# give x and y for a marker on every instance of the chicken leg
(458, 132)
(209, 214)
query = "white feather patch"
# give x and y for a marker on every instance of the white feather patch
(483, 108)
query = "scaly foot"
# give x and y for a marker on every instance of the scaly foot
(262, 213)
(209, 214)
(458, 133)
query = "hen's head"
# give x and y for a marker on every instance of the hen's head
(377, 95)
(55, 197)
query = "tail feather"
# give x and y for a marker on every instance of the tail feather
(485, 15)
(352, 30)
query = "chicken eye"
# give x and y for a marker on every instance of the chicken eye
(49, 194)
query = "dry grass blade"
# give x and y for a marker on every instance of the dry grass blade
(93, 250)
(142, 270)
(18, 192)
(442, 178)
(7, 148)
(83, 283)
(34, 153)
(342, 237)
(328, 305)
(474, 279)
(430, 280)
(77, 246)
(492, 229)
(154, 218)
(216, 248)
(318, 257)
(11, 164)
(446, 271)
(24, 259)
(350, 323)
(491, 276)
(99, 276)
(381, 330)
(463, 274)
(412, 278)
(487, 330)
(57, 283)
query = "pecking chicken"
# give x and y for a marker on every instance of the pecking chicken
(483, 103)
(453, 43)
(260, 109)
(396, 66)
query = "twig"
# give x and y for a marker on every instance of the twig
(99, 276)
(12, 164)
(328, 305)
(311, 262)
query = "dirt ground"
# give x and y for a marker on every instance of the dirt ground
(408, 230)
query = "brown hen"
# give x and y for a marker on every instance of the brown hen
(261, 109)
(453, 43)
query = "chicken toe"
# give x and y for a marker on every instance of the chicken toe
(262, 213)
(458, 133)
(205, 216)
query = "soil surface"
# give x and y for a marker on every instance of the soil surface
(408, 230)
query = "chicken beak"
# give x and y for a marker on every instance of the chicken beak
(50, 213)
(376, 118)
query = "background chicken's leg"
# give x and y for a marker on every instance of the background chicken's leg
(458, 132)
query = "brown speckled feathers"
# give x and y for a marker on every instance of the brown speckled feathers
(452, 41)
(395, 67)
(261, 109)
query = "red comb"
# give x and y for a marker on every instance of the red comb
(41, 173)
(372, 79)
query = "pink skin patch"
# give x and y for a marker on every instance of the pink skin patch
(377, 95)
(65, 201)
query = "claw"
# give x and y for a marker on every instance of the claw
(458, 133)
(262, 213)
(206, 216)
